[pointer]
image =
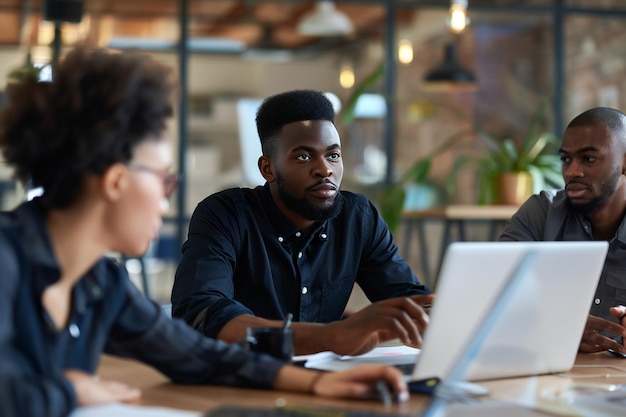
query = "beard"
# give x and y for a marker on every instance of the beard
(607, 189)
(304, 207)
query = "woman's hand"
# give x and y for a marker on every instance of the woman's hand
(91, 391)
(359, 382)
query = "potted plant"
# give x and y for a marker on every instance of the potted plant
(510, 171)
(507, 173)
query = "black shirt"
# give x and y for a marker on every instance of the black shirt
(242, 256)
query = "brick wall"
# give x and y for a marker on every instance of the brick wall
(595, 62)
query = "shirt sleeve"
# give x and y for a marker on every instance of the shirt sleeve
(142, 331)
(529, 222)
(23, 391)
(203, 285)
(383, 273)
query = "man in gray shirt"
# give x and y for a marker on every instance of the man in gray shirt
(591, 207)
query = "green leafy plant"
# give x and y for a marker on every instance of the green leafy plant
(27, 71)
(535, 154)
(347, 114)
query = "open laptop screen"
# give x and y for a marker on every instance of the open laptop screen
(538, 331)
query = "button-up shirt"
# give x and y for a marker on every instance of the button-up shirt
(549, 216)
(243, 256)
(108, 313)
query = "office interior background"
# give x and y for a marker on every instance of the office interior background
(563, 56)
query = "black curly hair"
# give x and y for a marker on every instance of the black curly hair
(291, 106)
(99, 106)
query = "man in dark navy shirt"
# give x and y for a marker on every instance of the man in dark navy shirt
(297, 245)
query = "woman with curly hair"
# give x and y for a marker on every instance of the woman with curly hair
(94, 140)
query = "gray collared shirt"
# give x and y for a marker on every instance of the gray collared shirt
(548, 216)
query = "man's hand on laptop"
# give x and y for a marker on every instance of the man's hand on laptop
(593, 341)
(401, 318)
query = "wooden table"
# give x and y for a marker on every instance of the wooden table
(590, 369)
(451, 216)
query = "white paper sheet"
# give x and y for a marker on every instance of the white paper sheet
(389, 355)
(128, 410)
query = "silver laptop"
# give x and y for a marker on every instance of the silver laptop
(538, 329)
(536, 332)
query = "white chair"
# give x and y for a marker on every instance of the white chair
(249, 140)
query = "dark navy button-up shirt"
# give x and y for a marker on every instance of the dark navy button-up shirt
(242, 256)
(107, 314)
(549, 216)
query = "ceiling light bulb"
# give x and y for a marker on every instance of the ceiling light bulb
(45, 32)
(405, 51)
(346, 77)
(458, 19)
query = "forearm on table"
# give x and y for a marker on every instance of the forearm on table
(293, 378)
(308, 337)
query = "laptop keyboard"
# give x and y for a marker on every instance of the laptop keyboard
(299, 411)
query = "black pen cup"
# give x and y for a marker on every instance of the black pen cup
(274, 341)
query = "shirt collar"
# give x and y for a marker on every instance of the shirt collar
(621, 231)
(563, 203)
(282, 226)
(30, 218)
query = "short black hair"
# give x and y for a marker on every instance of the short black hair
(288, 107)
(614, 119)
(98, 107)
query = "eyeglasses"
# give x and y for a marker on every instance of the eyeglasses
(170, 179)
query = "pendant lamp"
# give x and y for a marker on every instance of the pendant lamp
(450, 75)
(325, 20)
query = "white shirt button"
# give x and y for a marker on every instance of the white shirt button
(299, 255)
(305, 290)
(597, 301)
(74, 330)
(298, 234)
(281, 239)
(323, 235)
(96, 291)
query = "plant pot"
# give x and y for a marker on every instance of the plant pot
(513, 188)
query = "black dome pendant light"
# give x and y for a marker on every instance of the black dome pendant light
(450, 75)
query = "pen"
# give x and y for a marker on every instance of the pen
(287, 322)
